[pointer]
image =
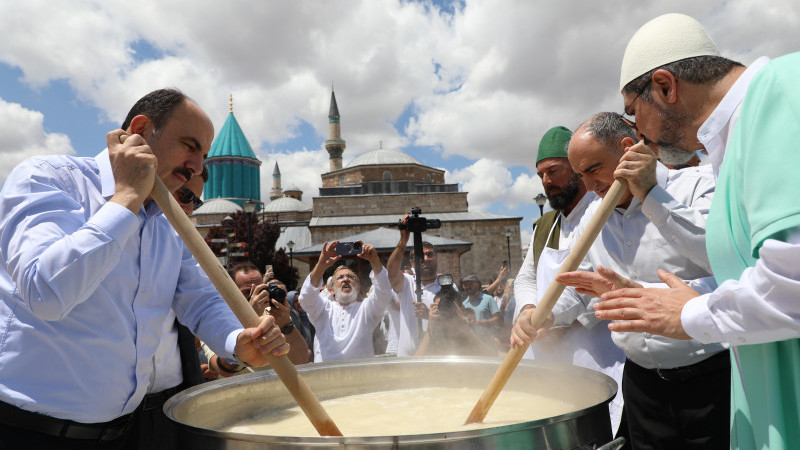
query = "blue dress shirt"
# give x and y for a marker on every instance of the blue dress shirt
(85, 286)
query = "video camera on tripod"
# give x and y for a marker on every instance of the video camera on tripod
(417, 224)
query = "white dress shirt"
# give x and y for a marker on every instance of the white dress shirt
(761, 306)
(344, 332)
(666, 232)
(85, 287)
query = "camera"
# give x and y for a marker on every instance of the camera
(447, 294)
(348, 248)
(415, 223)
(276, 292)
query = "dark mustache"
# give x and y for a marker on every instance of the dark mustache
(185, 172)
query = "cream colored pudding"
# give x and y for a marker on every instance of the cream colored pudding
(408, 411)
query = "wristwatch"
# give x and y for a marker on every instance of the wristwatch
(287, 328)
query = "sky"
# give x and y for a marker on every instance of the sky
(465, 86)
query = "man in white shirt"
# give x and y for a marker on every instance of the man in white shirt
(676, 392)
(746, 119)
(405, 312)
(343, 324)
(554, 235)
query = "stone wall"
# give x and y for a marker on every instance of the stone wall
(489, 245)
(405, 172)
(400, 204)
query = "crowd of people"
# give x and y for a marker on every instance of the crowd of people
(687, 298)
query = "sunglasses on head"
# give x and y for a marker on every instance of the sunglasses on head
(185, 196)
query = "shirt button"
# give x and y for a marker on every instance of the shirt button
(628, 216)
(628, 243)
(635, 274)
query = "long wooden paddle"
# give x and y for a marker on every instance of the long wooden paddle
(241, 308)
(554, 290)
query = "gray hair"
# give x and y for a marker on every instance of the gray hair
(698, 70)
(608, 129)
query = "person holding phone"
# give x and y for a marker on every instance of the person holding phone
(344, 325)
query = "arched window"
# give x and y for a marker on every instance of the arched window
(387, 175)
(428, 178)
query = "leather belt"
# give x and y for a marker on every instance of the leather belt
(157, 400)
(39, 423)
(720, 361)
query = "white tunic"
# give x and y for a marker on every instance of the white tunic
(345, 332)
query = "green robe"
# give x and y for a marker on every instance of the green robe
(757, 198)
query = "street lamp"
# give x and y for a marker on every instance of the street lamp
(540, 200)
(227, 225)
(508, 245)
(249, 208)
(290, 244)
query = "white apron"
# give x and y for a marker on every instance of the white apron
(591, 348)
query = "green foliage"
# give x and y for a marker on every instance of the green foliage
(261, 246)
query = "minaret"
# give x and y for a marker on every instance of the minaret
(276, 191)
(335, 145)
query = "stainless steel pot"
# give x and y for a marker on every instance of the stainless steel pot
(200, 412)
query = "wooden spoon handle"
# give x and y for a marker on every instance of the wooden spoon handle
(241, 308)
(549, 299)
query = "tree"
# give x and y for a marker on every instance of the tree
(260, 249)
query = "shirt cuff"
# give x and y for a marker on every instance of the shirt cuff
(657, 205)
(116, 221)
(697, 321)
(230, 345)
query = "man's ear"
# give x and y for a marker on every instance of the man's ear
(665, 86)
(625, 143)
(139, 125)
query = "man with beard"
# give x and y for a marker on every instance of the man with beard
(554, 235)
(676, 391)
(404, 310)
(344, 325)
(683, 92)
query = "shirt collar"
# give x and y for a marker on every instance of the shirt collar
(107, 185)
(580, 207)
(714, 132)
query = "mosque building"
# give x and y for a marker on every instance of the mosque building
(362, 200)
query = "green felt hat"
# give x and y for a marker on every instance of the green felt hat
(554, 143)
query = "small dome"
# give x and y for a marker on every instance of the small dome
(285, 204)
(382, 156)
(217, 206)
(293, 188)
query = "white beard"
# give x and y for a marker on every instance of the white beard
(345, 298)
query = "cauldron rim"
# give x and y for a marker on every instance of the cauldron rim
(269, 375)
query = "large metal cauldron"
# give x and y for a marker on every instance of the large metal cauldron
(202, 410)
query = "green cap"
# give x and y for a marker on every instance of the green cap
(554, 143)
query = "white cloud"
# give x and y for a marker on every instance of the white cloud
(484, 83)
(300, 168)
(488, 181)
(24, 136)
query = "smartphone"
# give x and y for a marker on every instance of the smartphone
(348, 248)
(267, 270)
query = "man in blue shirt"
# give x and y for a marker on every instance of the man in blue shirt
(89, 269)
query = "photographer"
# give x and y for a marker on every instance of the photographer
(449, 332)
(263, 294)
(343, 324)
(405, 311)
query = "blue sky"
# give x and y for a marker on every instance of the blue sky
(468, 86)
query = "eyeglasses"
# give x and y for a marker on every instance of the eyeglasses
(627, 121)
(185, 196)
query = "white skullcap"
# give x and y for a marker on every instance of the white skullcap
(664, 40)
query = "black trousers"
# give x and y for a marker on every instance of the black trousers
(684, 408)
